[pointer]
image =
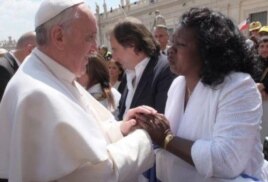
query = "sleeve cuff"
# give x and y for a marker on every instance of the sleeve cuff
(201, 157)
(114, 132)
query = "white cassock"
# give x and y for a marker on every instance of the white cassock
(224, 122)
(51, 129)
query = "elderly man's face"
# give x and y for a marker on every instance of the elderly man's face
(80, 41)
(161, 35)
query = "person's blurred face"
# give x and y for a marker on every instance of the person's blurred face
(255, 33)
(263, 49)
(126, 56)
(161, 35)
(27, 50)
(186, 60)
(80, 40)
(171, 56)
(114, 70)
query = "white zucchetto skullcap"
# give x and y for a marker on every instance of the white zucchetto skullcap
(51, 8)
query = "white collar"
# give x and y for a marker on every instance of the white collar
(138, 70)
(58, 70)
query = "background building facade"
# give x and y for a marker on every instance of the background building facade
(171, 10)
(8, 44)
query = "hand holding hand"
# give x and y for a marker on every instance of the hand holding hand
(128, 126)
(156, 125)
(130, 123)
(131, 114)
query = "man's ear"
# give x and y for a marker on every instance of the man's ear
(57, 37)
(29, 48)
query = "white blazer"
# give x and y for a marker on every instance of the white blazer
(224, 124)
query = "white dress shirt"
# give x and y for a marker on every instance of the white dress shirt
(116, 84)
(133, 78)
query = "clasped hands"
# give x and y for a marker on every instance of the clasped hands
(148, 119)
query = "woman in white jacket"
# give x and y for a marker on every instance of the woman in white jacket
(211, 128)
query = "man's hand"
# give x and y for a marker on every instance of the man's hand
(130, 124)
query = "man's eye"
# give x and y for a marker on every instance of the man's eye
(91, 38)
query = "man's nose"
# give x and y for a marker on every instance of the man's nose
(93, 47)
(115, 58)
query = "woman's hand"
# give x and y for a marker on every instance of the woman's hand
(156, 125)
(130, 124)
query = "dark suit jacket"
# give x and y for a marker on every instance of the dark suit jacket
(152, 87)
(8, 67)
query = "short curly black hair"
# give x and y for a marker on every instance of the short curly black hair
(222, 47)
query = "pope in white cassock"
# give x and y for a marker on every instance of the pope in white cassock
(51, 129)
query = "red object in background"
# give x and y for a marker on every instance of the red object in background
(244, 25)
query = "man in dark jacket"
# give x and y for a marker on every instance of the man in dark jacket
(147, 73)
(10, 62)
